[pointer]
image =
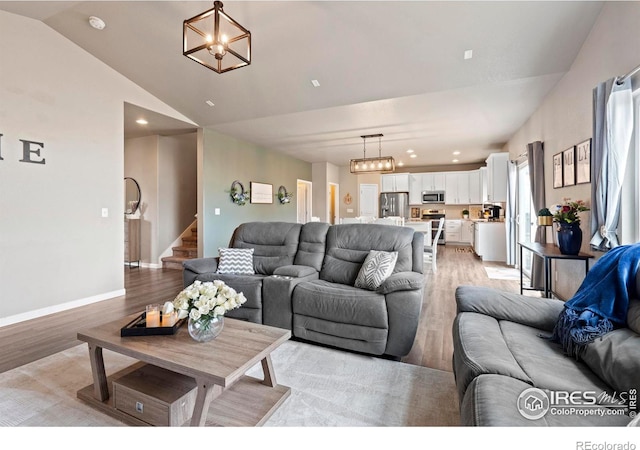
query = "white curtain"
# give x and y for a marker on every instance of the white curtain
(612, 131)
(510, 213)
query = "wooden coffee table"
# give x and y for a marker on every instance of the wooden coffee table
(224, 393)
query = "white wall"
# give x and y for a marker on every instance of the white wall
(565, 117)
(56, 249)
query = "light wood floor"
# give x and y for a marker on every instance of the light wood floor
(34, 339)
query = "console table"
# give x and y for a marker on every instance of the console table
(549, 252)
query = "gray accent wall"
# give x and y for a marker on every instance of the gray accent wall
(225, 159)
(565, 118)
(56, 249)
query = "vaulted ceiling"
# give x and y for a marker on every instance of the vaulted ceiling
(388, 67)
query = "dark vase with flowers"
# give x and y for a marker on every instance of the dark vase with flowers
(568, 220)
(569, 238)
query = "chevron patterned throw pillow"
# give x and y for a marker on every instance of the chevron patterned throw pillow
(236, 260)
(377, 267)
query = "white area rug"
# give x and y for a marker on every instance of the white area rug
(503, 273)
(328, 388)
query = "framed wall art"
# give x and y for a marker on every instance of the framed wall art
(557, 170)
(583, 162)
(261, 192)
(569, 166)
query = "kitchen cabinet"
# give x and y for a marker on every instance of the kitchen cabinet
(453, 230)
(397, 182)
(490, 241)
(497, 177)
(415, 189)
(457, 188)
(475, 187)
(434, 181)
(466, 232)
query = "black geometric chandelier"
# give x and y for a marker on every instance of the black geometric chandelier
(381, 164)
(216, 41)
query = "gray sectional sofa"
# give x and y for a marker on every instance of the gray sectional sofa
(305, 277)
(501, 351)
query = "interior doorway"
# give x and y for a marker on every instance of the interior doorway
(334, 195)
(303, 201)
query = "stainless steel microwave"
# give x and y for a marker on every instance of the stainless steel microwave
(433, 197)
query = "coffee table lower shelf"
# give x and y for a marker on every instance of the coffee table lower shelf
(247, 403)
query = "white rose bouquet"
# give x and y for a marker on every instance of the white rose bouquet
(205, 301)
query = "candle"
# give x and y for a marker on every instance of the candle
(168, 320)
(153, 316)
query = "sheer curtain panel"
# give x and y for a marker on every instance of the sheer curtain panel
(612, 131)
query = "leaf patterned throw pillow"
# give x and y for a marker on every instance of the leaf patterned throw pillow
(377, 267)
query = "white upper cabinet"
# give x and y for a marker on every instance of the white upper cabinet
(497, 177)
(457, 188)
(415, 189)
(397, 182)
(475, 187)
(433, 181)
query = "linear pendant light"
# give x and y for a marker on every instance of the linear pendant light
(216, 41)
(381, 164)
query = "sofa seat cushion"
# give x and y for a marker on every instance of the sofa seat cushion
(295, 271)
(340, 316)
(615, 358)
(491, 400)
(544, 361)
(479, 348)
(340, 303)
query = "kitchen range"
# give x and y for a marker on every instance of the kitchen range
(434, 215)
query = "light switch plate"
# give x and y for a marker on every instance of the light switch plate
(216, 211)
(105, 212)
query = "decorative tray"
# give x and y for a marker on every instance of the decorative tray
(138, 327)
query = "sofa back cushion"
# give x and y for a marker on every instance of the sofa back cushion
(274, 243)
(349, 244)
(313, 243)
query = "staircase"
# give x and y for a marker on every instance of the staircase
(188, 250)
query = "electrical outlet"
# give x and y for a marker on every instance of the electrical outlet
(216, 211)
(105, 212)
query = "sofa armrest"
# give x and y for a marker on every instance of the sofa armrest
(295, 271)
(191, 268)
(402, 281)
(541, 313)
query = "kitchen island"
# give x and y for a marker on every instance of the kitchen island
(422, 226)
(490, 240)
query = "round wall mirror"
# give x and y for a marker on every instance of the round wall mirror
(131, 195)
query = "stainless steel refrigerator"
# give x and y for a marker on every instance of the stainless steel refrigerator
(394, 204)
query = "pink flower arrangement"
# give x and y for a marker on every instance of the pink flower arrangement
(568, 212)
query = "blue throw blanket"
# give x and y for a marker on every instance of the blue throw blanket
(601, 302)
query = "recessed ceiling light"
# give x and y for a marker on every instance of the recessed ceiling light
(413, 155)
(468, 54)
(97, 23)
(455, 160)
(315, 83)
(400, 163)
(210, 103)
(456, 152)
(410, 151)
(142, 122)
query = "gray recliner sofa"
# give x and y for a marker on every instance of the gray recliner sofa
(502, 350)
(304, 281)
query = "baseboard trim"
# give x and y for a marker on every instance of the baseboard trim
(4, 321)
